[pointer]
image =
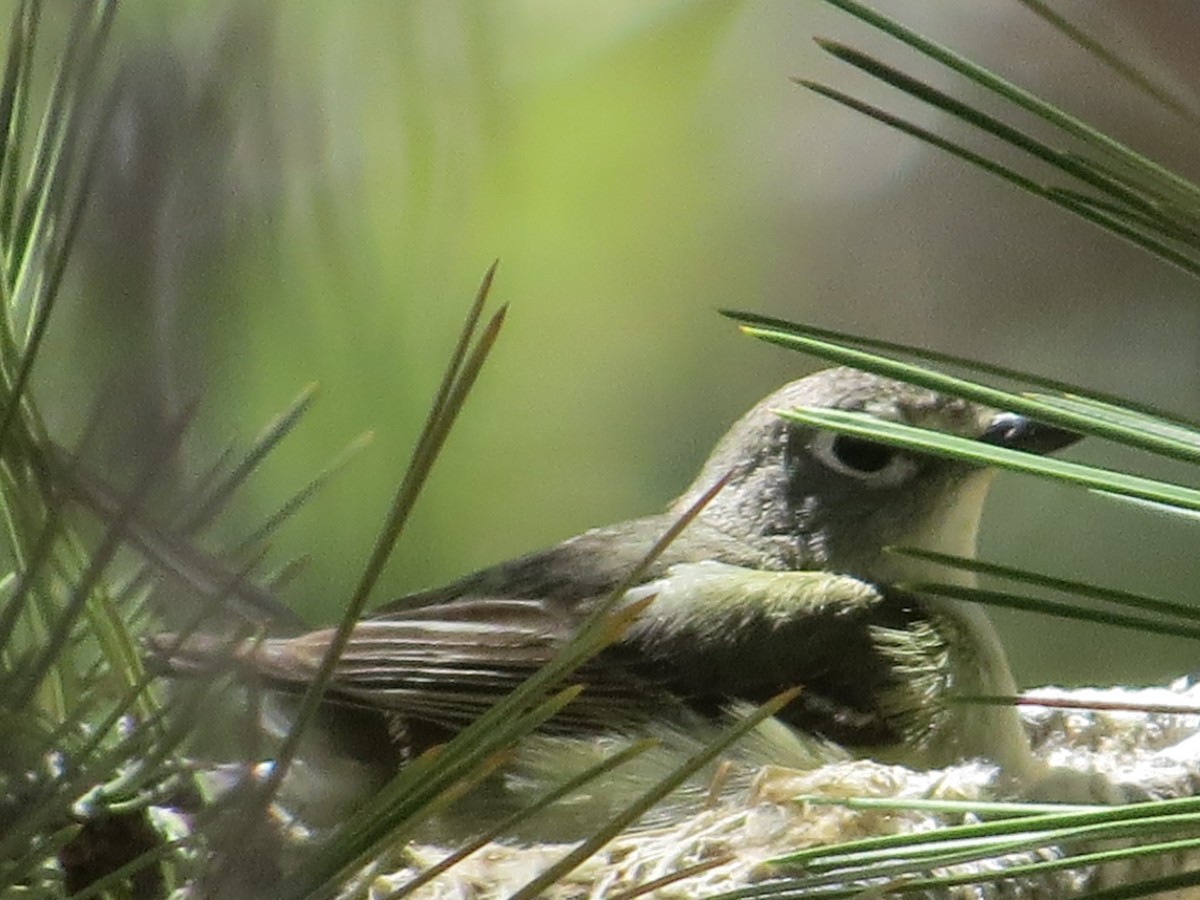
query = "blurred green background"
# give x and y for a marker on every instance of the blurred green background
(294, 193)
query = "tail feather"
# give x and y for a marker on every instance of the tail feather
(198, 654)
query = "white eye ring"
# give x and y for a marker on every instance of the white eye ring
(877, 465)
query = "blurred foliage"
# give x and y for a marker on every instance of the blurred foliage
(353, 168)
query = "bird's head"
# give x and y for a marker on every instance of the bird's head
(817, 499)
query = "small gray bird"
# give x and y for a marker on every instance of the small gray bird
(780, 581)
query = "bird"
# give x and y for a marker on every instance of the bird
(782, 579)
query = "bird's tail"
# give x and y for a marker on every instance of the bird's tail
(194, 655)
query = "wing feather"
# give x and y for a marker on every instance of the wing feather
(712, 635)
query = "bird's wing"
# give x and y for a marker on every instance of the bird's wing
(444, 664)
(447, 654)
(871, 663)
(711, 635)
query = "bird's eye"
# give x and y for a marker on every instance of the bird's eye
(875, 464)
(862, 456)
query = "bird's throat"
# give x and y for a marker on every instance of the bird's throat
(955, 533)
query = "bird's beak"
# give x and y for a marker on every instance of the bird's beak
(1019, 433)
